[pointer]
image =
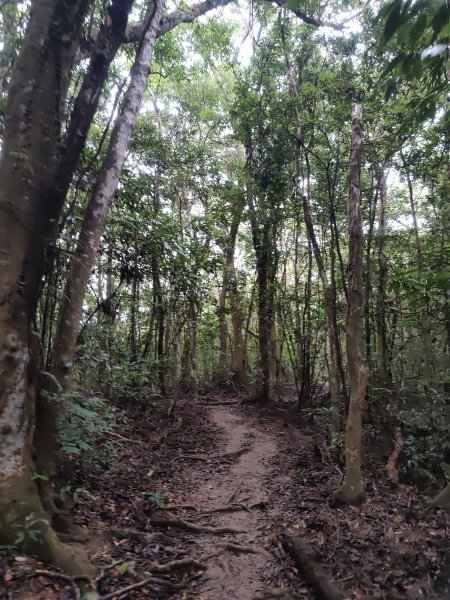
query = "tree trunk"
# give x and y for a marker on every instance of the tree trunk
(237, 350)
(352, 489)
(222, 369)
(27, 169)
(381, 321)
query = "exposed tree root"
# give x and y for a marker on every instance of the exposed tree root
(193, 526)
(53, 575)
(228, 457)
(242, 548)
(139, 536)
(222, 403)
(136, 586)
(269, 593)
(175, 565)
(229, 508)
(306, 560)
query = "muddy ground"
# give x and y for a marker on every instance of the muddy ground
(196, 508)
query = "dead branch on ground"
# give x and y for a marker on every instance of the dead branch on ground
(312, 572)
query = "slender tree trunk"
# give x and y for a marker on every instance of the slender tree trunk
(424, 324)
(88, 243)
(352, 489)
(237, 350)
(192, 340)
(222, 370)
(27, 169)
(381, 321)
(368, 279)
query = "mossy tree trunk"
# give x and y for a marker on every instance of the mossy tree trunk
(28, 164)
(352, 489)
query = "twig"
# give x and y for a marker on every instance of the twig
(114, 434)
(193, 526)
(141, 584)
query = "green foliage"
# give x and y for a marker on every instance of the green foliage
(426, 442)
(157, 498)
(82, 425)
(418, 33)
(30, 530)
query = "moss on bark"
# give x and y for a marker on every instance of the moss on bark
(24, 522)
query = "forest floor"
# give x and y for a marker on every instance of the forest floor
(212, 494)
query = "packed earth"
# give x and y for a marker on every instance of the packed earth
(206, 507)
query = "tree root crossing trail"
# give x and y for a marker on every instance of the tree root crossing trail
(238, 499)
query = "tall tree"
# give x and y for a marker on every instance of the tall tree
(352, 489)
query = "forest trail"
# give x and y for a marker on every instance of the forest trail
(236, 574)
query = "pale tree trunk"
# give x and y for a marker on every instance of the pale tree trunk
(240, 380)
(89, 240)
(381, 321)
(189, 366)
(352, 489)
(424, 323)
(237, 350)
(27, 169)
(222, 369)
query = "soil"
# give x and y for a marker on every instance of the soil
(253, 475)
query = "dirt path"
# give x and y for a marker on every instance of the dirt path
(236, 574)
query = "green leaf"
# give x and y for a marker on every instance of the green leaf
(418, 28)
(387, 9)
(440, 19)
(403, 31)
(293, 4)
(416, 67)
(393, 22)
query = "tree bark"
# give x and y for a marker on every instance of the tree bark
(27, 169)
(237, 350)
(381, 321)
(352, 489)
